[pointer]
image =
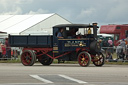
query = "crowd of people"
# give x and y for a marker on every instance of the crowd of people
(121, 49)
(5, 50)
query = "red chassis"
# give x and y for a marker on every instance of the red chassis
(45, 51)
(84, 58)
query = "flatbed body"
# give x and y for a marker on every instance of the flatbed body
(30, 40)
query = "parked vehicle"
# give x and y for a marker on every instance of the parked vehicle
(119, 31)
(76, 45)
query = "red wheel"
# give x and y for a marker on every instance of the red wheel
(98, 59)
(84, 59)
(28, 58)
(45, 60)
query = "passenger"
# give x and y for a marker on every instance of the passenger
(79, 36)
(72, 32)
(89, 31)
(59, 35)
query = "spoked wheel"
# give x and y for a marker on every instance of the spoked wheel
(84, 59)
(99, 59)
(45, 60)
(28, 58)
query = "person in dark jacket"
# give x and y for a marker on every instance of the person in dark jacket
(8, 48)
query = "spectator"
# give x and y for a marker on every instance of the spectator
(8, 49)
(120, 50)
(3, 51)
(123, 44)
(109, 57)
(110, 42)
(0, 50)
(126, 40)
(105, 43)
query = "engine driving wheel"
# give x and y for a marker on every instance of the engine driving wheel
(98, 59)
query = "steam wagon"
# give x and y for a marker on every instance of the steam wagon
(76, 44)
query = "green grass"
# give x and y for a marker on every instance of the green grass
(10, 61)
(117, 63)
(114, 55)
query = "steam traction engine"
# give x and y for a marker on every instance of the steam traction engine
(76, 45)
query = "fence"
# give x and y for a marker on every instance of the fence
(109, 49)
(14, 53)
(9, 53)
(111, 52)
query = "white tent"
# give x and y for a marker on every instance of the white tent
(30, 24)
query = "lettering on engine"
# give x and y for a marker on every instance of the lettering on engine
(75, 44)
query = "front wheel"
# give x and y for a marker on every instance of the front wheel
(84, 59)
(98, 59)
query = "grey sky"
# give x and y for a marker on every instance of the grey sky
(76, 11)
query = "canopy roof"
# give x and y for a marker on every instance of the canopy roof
(73, 25)
(19, 23)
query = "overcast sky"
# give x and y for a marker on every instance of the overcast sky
(77, 11)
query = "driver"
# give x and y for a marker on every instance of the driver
(59, 35)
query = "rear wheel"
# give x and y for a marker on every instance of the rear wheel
(28, 58)
(45, 60)
(84, 59)
(99, 59)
